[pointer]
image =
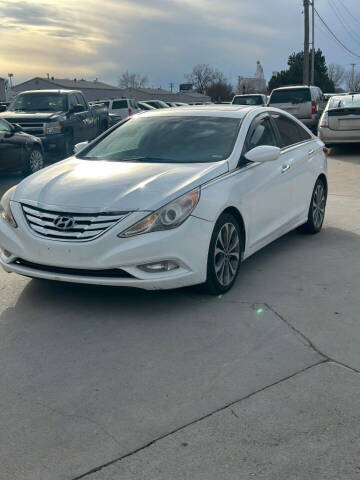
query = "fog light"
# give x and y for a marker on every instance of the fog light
(155, 267)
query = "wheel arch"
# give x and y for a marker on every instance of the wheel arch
(235, 213)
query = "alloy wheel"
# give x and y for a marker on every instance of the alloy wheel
(227, 254)
(319, 205)
(36, 161)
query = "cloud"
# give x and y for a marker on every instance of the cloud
(162, 39)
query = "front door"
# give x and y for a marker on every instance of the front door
(10, 148)
(267, 186)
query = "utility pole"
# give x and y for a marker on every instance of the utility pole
(171, 85)
(306, 44)
(352, 76)
(313, 45)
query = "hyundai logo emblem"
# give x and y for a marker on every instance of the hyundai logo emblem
(64, 223)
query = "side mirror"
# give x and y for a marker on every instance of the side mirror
(263, 153)
(79, 146)
(77, 108)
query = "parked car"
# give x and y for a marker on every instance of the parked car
(157, 212)
(340, 122)
(4, 106)
(18, 150)
(250, 99)
(145, 106)
(157, 103)
(120, 107)
(304, 102)
(60, 118)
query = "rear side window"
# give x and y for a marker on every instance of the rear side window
(299, 95)
(250, 100)
(290, 132)
(117, 104)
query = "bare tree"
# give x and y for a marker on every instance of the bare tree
(202, 76)
(352, 81)
(336, 74)
(132, 80)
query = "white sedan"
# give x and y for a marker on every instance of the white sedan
(166, 199)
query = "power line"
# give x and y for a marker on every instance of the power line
(348, 11)
(342, 20)
(336, 38)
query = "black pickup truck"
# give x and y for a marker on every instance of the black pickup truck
(60, 118)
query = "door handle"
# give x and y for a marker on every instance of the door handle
(285, 168)
(310, 152)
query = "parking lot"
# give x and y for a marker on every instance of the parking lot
(107, 384)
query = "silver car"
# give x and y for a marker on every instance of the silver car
(340, 122)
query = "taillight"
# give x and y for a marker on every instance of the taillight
(324, 122)
(326, 151)
(313, 108)
(129, 111)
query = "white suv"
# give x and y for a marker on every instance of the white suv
(303, 101)
(120, 107)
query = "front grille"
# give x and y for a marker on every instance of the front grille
(108, 273)
(83, 226)
(29, 126)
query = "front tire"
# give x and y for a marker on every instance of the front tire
(316, 213)
(224, 256)
(35, 162)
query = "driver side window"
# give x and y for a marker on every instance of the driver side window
(261, 132)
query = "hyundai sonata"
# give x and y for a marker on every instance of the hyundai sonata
(166, 199)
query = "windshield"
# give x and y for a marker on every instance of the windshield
(345, 102)
(298, 95)
(250, 100)
(39, 102)
(167, 139)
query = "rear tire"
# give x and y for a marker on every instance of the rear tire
(317, 207)
(224, 256)
(35, 161)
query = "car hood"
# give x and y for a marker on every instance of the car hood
(87, 185)
(13, 116)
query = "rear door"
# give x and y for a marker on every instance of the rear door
(298, 151)
(296, 101)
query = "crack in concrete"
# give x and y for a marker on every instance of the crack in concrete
(81, 417)
(254, 305)
(218, 410)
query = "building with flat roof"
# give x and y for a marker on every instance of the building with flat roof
(95, 90)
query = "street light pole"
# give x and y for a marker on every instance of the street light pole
(313, 45)
(306, 44)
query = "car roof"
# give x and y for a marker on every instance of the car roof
(251, 95)
(229, 110)
(52, 90)
(294, 87)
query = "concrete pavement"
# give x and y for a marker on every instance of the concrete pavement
(181, 386)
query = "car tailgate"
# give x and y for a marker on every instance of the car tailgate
(299, 110)
(344, 119)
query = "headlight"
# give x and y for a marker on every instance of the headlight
(5, 208)
(52, 127)
(170, 216)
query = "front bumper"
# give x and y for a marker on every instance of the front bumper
(332, 137)
(53, 143)
(187, 245)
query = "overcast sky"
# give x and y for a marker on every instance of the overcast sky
(163, 39)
